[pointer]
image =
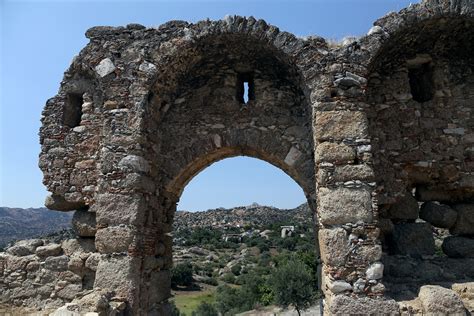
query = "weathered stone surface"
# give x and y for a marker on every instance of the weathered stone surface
(412, 239)
(339, 287)
(118, 273)
(49, 250)
(465, 220)
(56, 263)
(345, 305)
(339, 125)
(375, 271)
(83, 223)
(466, 292)
(24, 247)
(105, 67)
(116, 209)
(405, 208)
(334, 246)
(437, 300)
(458, 247)
(334, 153)
(343, 205)
(113, 239)
(353, 172)
(438, 215)
(79, 245)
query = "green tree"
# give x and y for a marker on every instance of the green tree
(292, 284)
(205, 309)
(182, 274)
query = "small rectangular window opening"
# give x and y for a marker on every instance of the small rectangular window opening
(421, 82)
(245, 88)
(73, 109)
(246, 92)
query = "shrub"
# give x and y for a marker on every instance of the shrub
(228, 278)
(205, 309)
(293, 284)
(210, 281)
(182, 274)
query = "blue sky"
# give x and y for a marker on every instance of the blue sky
(39, 39)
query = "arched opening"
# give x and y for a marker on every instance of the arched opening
(199, 117)
(235, 246)
(420, 89)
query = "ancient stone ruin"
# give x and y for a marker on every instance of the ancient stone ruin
(371, 130)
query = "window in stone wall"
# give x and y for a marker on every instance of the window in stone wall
(245, 88)
(421, 82)
(73, 109)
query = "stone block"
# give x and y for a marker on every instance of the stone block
(466, 292)
(160, 286)
(78, 245)
(93, 261)
(405, 208)
(83, 223)
(458, 247)
(345, 305)
(24, 247)
(344, 205)
(113, 239)
(465, 220)
(334, 153)
(334, 246)
(49, 250)
(120, 274)
(353, 172)
(116, 209)
(339, 125)
(59, 263)
(413, 239)
(438, 215)
(437, 300)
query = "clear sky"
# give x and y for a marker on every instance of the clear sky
(39, 39)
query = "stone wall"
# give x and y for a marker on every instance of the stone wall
(369, 129)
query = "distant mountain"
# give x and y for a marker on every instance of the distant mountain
(18, 223)
(254, 214)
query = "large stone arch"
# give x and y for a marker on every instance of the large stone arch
(202, 119)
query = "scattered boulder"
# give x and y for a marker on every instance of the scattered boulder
(439, 300)
(458, 247)
(465, 221)
(405, 209)
(413, 239)
(438, 215)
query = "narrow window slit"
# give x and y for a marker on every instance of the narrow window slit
(421, 82)
(73, 109)
(245, 88)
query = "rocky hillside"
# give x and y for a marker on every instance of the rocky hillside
(255, 215)
(18, 223)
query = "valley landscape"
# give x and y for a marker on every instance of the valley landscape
(223, 258)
